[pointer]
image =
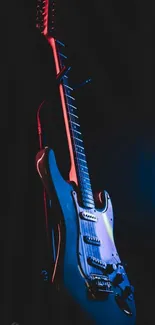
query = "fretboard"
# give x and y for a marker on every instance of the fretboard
(76, 136)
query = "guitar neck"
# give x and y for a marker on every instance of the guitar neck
(74, 134)
(79, 173)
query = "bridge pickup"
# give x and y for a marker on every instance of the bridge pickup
(92, 240)
(97, 263)
(100, 286)
(88, 216)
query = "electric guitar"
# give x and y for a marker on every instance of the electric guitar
(87, 267)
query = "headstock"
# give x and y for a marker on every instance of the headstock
(45, 17)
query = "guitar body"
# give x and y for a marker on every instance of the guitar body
(71, 272)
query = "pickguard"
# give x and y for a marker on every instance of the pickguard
(105, 263)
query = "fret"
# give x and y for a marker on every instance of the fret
(88, 205)
(82, 160)
(79, 146)
(73, 118)
(79, 150)
(76, 124)
(67, 93)
(89, 191)
(87, 201)
(71, 111)
(57, 41)
(78, 139)
(68, 86)
(80, 153)
(70, 96)
(84, 172)
(84, 167)
(73, 115)
(64, 56)
(82, 163)
(88, 198)
(87, 178)
(76, 131)
(76, 136)
(72, 106)
(86, 184)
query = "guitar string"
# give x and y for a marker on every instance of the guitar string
(92, 250)
(89, 229)
(85, 224)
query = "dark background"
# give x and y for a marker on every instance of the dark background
(113, 43)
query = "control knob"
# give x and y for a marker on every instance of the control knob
(119, 278)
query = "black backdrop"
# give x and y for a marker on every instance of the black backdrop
(112, 42)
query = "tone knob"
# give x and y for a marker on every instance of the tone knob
(119, 278)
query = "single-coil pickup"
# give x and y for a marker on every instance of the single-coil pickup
(92, 240)
(88, 216)
(97, 263)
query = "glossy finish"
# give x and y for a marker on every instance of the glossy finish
(73, 271)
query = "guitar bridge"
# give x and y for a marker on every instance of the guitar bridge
(100, 286)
